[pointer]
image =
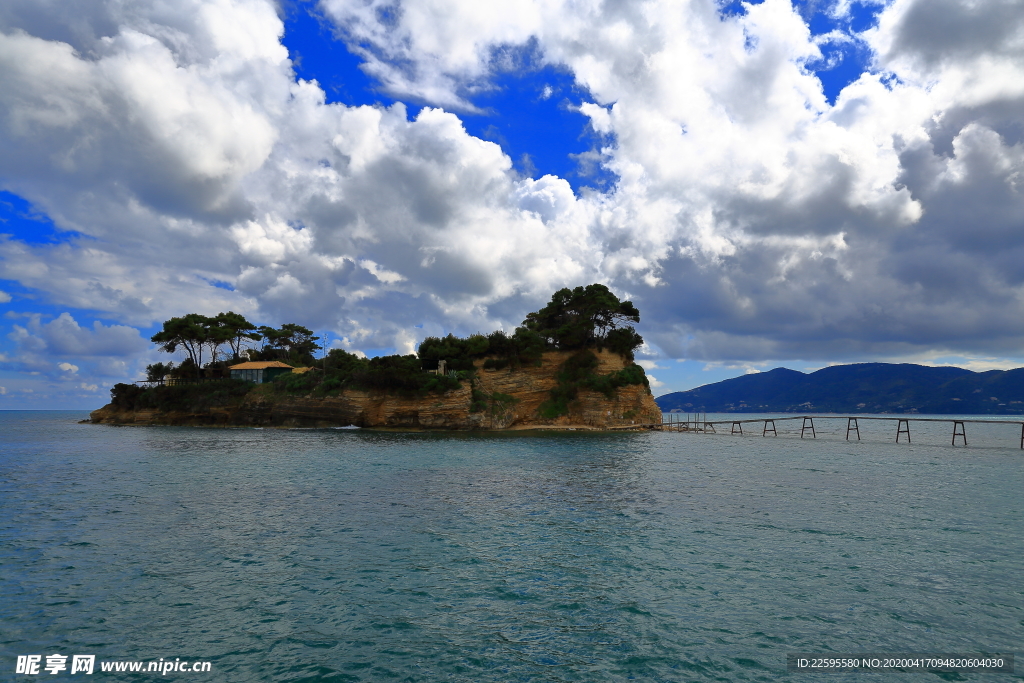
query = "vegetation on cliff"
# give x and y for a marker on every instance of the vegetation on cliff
(578, 373)
(587, 317)
(340, 370)
(179, 398)
(577, 320)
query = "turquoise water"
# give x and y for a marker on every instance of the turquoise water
(347, 555)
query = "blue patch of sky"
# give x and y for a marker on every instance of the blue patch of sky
(27, 302)
(23, 222)
(529, 109)
(219, 284)
(318, 55)
(533, 112)
(24, 301)
(843, 61)
(732, 8)
(376, 353)
(684, 375)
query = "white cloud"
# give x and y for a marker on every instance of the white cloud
(63, 336)
(61, 348)
(4, 297)
(750, 219)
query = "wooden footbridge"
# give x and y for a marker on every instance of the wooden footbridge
(698, 422)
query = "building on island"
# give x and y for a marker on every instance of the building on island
(260, 371)
(435, 367)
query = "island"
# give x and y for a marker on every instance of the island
(570, 366)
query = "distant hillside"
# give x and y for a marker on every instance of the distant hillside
(859, 388)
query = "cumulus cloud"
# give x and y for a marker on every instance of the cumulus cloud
(61, 349)
(792, 227)
(749, 218)
(63, 336)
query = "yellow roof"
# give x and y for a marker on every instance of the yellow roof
(299, 371)
(260, 365)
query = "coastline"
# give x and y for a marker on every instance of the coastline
(494, 400)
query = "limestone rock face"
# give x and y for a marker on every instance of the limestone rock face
(530, 387)
(505, 399)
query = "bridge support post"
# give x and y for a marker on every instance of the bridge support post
(810, 426)
(903, 428)
(962, 433)
(765, 432)
(851, 425)
(737, 426)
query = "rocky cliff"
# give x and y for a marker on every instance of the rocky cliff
(496, 399)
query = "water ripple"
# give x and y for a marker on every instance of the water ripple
(348, 555)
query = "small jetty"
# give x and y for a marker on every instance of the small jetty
(699, 422)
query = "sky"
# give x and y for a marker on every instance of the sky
(772, 183)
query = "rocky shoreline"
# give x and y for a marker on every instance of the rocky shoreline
(495, 400)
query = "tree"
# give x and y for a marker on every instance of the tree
(190, 332)
(587, 316)
(299, 340)
(458, 353)
(157, 371)
(234, 330)
(291, 340)
(270, 337)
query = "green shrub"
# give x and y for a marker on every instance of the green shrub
(609, 384)
(180, 397)
(578, 367)
(491, 403)
(330, 385)
(578, 372)
(400, 375)
(479, 402)
(439, 384)
(558, 404)
(500, 400)
(298, 383)
(125, 396)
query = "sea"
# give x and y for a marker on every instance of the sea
(357, 555)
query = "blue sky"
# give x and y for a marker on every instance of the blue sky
(772, 183)
(532, 110)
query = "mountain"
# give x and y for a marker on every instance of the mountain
(859, 388)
